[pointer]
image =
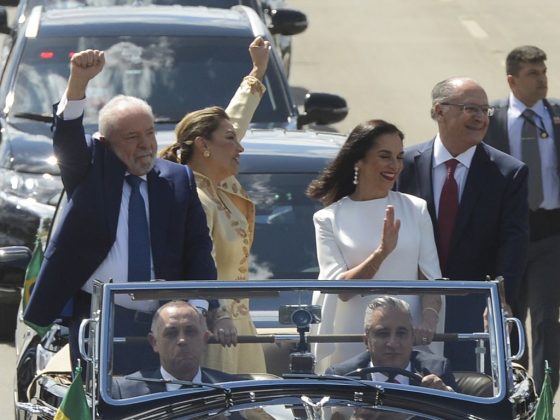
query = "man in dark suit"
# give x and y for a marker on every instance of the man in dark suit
(477, 199)
(94, 241)
(389, 337)
(179, 336)
(527, 106)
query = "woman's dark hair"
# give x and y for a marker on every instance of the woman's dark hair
(197, 123)
(336, 180)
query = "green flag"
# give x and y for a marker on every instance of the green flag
(544, 405)
(74, 406)
(32, 272)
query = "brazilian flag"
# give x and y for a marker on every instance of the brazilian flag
(74, 405)
(32, 272)
(545, 406)
(31, 275)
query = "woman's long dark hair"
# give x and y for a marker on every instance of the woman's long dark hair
(336, 180)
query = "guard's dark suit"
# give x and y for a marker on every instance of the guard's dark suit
(539, 288)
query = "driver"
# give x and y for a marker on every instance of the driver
(179, 336)
(389, 337)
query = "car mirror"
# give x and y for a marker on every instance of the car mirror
(323, 109)
(13, 262)
(287, 22)
(4, 28)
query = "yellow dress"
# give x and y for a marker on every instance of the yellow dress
(230, 215)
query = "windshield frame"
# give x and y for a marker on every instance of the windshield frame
(161, 290)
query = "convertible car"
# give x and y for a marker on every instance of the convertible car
(301, 342)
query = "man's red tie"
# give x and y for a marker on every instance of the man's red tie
(448, 206)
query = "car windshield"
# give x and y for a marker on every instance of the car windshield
(61, 4)
(302, 328)
(173, 74)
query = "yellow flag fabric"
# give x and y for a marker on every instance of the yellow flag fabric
(74, 405)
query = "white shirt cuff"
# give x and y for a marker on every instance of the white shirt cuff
(70, 110)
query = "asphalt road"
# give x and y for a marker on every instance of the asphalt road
(384, 57)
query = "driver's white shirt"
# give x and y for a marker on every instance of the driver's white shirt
(379, 377)
(169, 377)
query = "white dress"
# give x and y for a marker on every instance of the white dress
(347, 232)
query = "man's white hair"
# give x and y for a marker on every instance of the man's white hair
(111, 112)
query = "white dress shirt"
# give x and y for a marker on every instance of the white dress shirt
(547, 148)
(439, 170)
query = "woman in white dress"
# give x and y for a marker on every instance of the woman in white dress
(367, 231)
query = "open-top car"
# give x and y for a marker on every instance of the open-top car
(303, 377)
(179, 59)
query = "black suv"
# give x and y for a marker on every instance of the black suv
(177, 58)
(282, 22)
(276, 168)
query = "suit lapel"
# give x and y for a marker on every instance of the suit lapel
(160, 196)
(205, 378)
(423, 167)
(414, 363)
(501, 140)
(113, 180)
(477, 176)
(554, 111)
(156, 386)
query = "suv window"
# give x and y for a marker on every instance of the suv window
(174, 74)
(284, 240)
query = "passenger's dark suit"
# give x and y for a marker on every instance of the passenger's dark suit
(127, 388)
(491, 230)
(93, 177)
(420, 361)
(540, 288)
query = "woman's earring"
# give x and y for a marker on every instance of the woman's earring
(206, 153)
(355, 181)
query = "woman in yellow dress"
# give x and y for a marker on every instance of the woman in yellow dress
(208, 141)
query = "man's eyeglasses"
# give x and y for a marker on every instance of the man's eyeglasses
(472, 109)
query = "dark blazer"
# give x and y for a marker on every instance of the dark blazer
(419, 362)
(491, 231)
(498, 134)
(126, 388)
(93, 177)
